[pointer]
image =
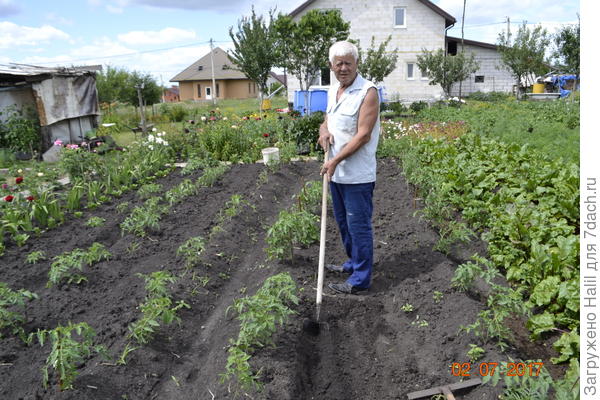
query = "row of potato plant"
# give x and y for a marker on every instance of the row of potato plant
(525, 207)
(297, 226)
(147, 216)
(158, 308)
(259, 316)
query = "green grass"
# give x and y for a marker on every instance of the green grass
(551, 127)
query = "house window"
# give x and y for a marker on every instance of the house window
(400, 17)
(208, 92)
(217, 90)
(199, 90)
(423, 74)
(200, 67)
(410, 71)
(479, 78)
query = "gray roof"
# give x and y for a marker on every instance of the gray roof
(472, 42)
(224, 68)
(450, 20)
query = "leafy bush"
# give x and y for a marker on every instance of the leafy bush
(20, 130)
(418, 106)
(304, 131)
(489, 96)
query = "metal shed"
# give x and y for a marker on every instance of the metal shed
(65, 98)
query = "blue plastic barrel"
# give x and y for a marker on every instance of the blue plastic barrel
(317, 101)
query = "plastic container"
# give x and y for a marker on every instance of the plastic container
(538, 88)
(317, 101)
(270, 154)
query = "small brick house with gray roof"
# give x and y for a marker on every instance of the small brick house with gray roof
(195, 82)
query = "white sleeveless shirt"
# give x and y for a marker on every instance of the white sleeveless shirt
(342, 122)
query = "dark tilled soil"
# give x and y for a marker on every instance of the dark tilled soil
(368, 347)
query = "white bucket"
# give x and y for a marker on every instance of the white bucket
(270, 154)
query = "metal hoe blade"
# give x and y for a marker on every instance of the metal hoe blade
(445, 389)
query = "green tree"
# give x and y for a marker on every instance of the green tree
(303, 46)
(525, 54)
(567, 42)
(253, 52)
(377, 63)
(118, 84)
(110, 83)
(445, 69)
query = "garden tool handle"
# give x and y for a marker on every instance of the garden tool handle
(321, 270)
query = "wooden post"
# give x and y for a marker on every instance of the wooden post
(142, 113)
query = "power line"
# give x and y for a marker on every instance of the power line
(133, 53)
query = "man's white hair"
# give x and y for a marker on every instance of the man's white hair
(341, 49)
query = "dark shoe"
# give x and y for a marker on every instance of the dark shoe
(335, 268)
(345, 288)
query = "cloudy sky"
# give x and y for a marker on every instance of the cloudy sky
(162, 37)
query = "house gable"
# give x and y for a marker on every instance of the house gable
(202, 69)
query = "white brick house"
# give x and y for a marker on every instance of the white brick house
(414, 25)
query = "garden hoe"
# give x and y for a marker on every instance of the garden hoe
(446, 390)
(312, 326)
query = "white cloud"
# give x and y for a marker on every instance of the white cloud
(114, 9)
(13, 35)
(485, 11)
(230, 6)
(7, 7)
(166, 35)
(60, 20)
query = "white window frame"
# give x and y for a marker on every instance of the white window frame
(208, 92)
(423, 76)
(414, 67)
(404, 11)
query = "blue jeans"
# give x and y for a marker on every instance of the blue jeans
(353, 209)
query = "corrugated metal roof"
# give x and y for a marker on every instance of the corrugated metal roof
(221, 59)
(33, 70)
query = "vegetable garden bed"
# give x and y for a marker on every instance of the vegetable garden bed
(403, 336)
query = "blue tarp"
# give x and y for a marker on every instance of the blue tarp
(561, 82)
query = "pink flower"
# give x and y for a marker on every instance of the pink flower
(213, 118)
(5, 186)
(257, 118)
(18, 179)
(9, 198)
(58, 142)
(245, 118)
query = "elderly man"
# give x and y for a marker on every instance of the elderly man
(351, 132)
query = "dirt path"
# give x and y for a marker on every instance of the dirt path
(369, 348)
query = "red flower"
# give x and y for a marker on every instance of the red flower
(257, 118)
(19, 179)
(30, 198)
(9, 198)
(265, 134)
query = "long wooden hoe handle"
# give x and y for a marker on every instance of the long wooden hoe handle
(322, 242)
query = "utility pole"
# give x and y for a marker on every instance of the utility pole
(142, 114)
(508, 29)
(212, 64)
